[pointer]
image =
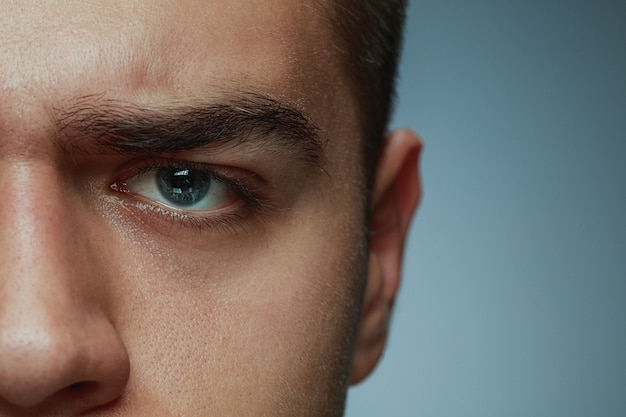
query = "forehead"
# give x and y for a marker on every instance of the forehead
(166, 48)
(162, 52)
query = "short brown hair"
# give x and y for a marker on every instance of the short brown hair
(370, 34)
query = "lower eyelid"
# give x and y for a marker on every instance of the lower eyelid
(193, 211)
(156, 207)
(244, 205)
(172, 223)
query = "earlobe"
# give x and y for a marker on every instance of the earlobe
(395, 196)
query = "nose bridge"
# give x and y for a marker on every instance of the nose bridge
(52, 335)
(37, 233)
(39, 276)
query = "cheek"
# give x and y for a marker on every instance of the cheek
(268, 316)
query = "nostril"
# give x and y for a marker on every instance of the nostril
(81, 387)
(79, 393)
(80, 397)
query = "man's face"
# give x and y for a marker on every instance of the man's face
(181, 224)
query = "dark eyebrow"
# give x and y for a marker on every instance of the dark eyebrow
(116, 126)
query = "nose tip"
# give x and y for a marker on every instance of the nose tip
(54, 366)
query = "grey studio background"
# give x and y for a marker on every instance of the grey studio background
(514, 296)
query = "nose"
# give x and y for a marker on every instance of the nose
(58, 348)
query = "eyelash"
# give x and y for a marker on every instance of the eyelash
(251, 200)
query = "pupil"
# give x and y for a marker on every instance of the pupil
(182, 186)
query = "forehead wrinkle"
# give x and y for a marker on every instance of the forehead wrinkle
(156, 60)
(281, 45)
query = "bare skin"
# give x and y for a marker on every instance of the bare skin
(115, 300)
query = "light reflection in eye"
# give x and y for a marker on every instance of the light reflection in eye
(181, 188)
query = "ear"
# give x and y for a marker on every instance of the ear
(396, 194)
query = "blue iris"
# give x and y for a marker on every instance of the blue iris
(182, 186)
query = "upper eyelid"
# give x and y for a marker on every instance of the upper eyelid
(232, 177)
(139, 165)
(155, 163)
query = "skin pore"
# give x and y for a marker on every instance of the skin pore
(115, 301)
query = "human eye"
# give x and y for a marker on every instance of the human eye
(192, 193)
(181, 188)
